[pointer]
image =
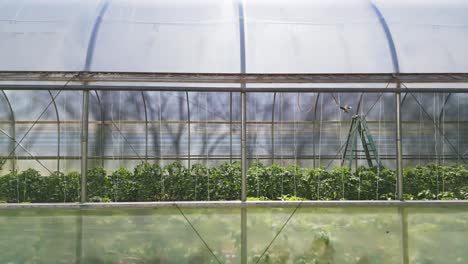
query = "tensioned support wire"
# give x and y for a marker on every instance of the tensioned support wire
(12, 137)
(53, 98)
(25, 149)
(243, 209)
(198, 234)
(441, 131)
(279, 231)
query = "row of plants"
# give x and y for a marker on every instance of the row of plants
(175, 182)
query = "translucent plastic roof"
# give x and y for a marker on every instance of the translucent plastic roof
(226, 36)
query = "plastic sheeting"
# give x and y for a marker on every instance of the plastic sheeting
(433, 234)
(299, 36)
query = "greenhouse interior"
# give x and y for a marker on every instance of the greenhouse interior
(234, 131)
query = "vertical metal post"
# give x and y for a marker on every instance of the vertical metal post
(244, 235)
(189, 129)
(243, 69)
(84, 145)
(404, 234)
(230, 127)
(273, 130)
(399, 165)
(244, 178)
(243, 147)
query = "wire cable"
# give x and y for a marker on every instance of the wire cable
(431, 118)
(279, 232)
(43, 112)
(198, 234)
(27, 151)
(380, 97)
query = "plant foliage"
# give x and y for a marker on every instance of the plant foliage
(175, 182)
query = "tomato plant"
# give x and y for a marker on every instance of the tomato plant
(176, 182)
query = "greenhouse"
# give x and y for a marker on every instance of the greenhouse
(233, 131)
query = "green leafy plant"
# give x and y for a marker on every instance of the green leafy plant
(97, 182)
(175, 182)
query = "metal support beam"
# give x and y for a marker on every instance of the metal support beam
(267, 157)
(266, 89)
(230, 127)
(13, 131)
(243, 70)
(159, 140)
(398, 81)
(273, 130)
(244, 178)
(399, 154)
(404, 235)
(243, 77)
(243, 147)
(244, 235)
(248, 204)
(189, 127)
(84, 146)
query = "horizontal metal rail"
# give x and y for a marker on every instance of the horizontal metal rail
(277, 157)
(216, 122)
(236, 204)
(75, 87)
(232, 77)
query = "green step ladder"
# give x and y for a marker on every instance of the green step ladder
(360, 131)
